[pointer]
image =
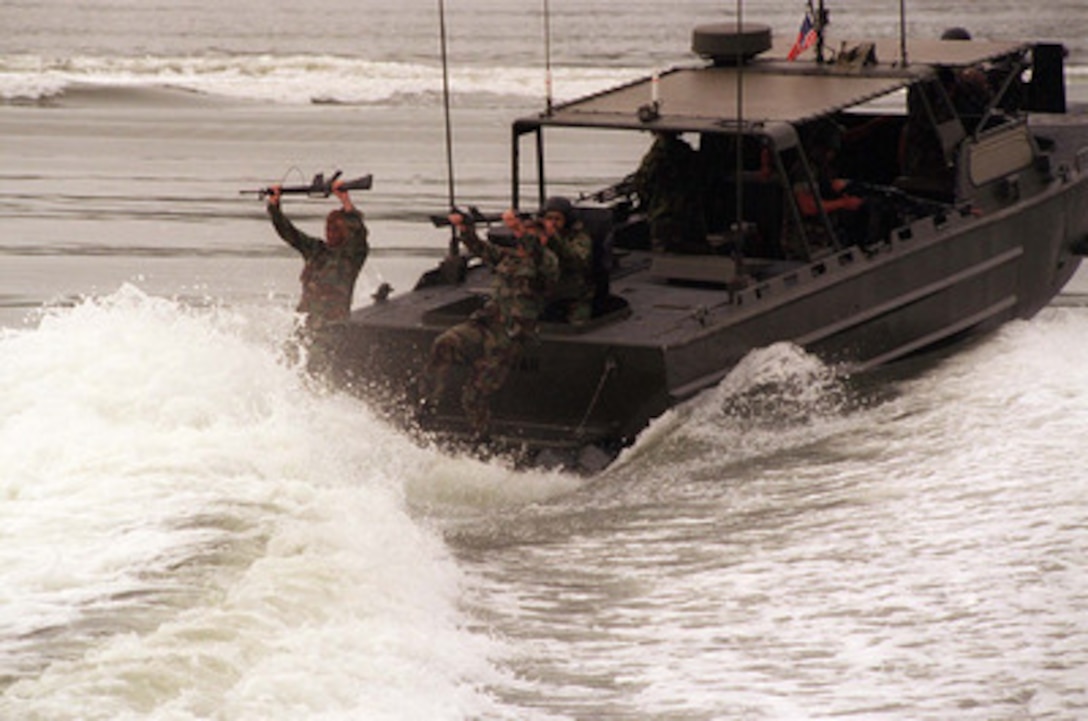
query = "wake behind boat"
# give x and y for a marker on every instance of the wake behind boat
(976, 215)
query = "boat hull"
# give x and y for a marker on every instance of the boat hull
(937, 281)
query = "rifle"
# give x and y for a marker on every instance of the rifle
(472, 216)
(318, 187)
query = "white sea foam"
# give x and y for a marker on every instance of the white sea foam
(778, 397)
(302, 79)
(291, 79)
(190, 529)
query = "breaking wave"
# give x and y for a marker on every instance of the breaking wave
(777, 399)
(184, 511)
(298, 79)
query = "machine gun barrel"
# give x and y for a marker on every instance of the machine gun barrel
(898, 197)
(625, 188)
(319, 187)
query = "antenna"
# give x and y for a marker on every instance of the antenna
(740, 130)
(903, 33)
(547, 58)
(449, 129)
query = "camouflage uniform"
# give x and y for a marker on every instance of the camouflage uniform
(669, 186)
(328, 280)
(575, 289)
(493, 337)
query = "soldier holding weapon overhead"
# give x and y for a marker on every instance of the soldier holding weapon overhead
(331, 266)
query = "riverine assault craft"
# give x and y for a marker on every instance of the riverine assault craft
(994, 238)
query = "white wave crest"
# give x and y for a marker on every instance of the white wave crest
(296, 79)
(776, 398)
(187, 525)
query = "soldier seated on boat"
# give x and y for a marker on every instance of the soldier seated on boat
(668, 184)
(572, 299)
(855, 220)
(490, 342)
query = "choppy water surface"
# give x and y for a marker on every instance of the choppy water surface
(917, 555)
(193, 531)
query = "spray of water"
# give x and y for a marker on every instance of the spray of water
(191, 528)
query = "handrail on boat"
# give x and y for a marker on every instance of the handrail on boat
(1080, 159)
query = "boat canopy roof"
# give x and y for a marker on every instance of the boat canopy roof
(774, 90)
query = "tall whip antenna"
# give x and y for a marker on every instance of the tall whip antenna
(739, 167)
(449, 128)
(547, 58)
(903, 33)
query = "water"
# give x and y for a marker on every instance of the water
(189, 529)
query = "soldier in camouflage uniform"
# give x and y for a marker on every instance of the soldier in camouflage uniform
(849, 215)
(491, 340)
(669, 187)
(329, 274)
(574, 248)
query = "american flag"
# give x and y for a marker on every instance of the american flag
(805, 36)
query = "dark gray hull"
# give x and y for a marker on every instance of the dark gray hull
(935, 282)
